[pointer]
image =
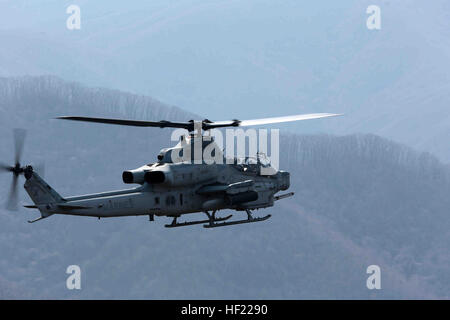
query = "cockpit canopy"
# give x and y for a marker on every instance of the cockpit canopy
(184, 152)
(259, 165)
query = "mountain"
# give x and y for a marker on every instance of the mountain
(360, 200)
(234, 59)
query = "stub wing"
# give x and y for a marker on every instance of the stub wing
(232, 188)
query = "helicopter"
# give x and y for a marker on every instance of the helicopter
(175, 185)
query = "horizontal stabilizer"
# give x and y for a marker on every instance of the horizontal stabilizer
(65, 207)
(40, 218)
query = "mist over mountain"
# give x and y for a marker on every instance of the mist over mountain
(360, 200)
(232, 59)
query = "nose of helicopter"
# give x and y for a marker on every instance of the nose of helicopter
(285, 180)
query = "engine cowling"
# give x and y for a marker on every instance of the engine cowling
(136, 175)
(155, 177)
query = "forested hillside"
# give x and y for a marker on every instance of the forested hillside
(360, 200)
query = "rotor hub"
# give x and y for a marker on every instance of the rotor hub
(17, 169)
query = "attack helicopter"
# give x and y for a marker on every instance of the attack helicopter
(176, 184)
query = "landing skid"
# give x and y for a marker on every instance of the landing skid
(175, 224)
(249, 219)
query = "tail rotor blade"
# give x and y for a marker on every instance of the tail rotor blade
(16, 169)
(4, 167)
(19, 139)
(12, 199)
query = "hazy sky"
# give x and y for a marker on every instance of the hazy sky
(212, 57)
(247, 59)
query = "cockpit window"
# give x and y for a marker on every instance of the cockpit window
(252, 164)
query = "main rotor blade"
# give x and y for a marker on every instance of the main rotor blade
(136, 123)
(19, 139)
(206, 124)
(264, 121)
(12, 198)
(298, 117)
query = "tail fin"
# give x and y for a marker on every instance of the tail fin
(39, 191)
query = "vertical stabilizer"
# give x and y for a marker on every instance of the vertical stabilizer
(39, 191)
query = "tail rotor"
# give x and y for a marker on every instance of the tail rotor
(17, 169)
